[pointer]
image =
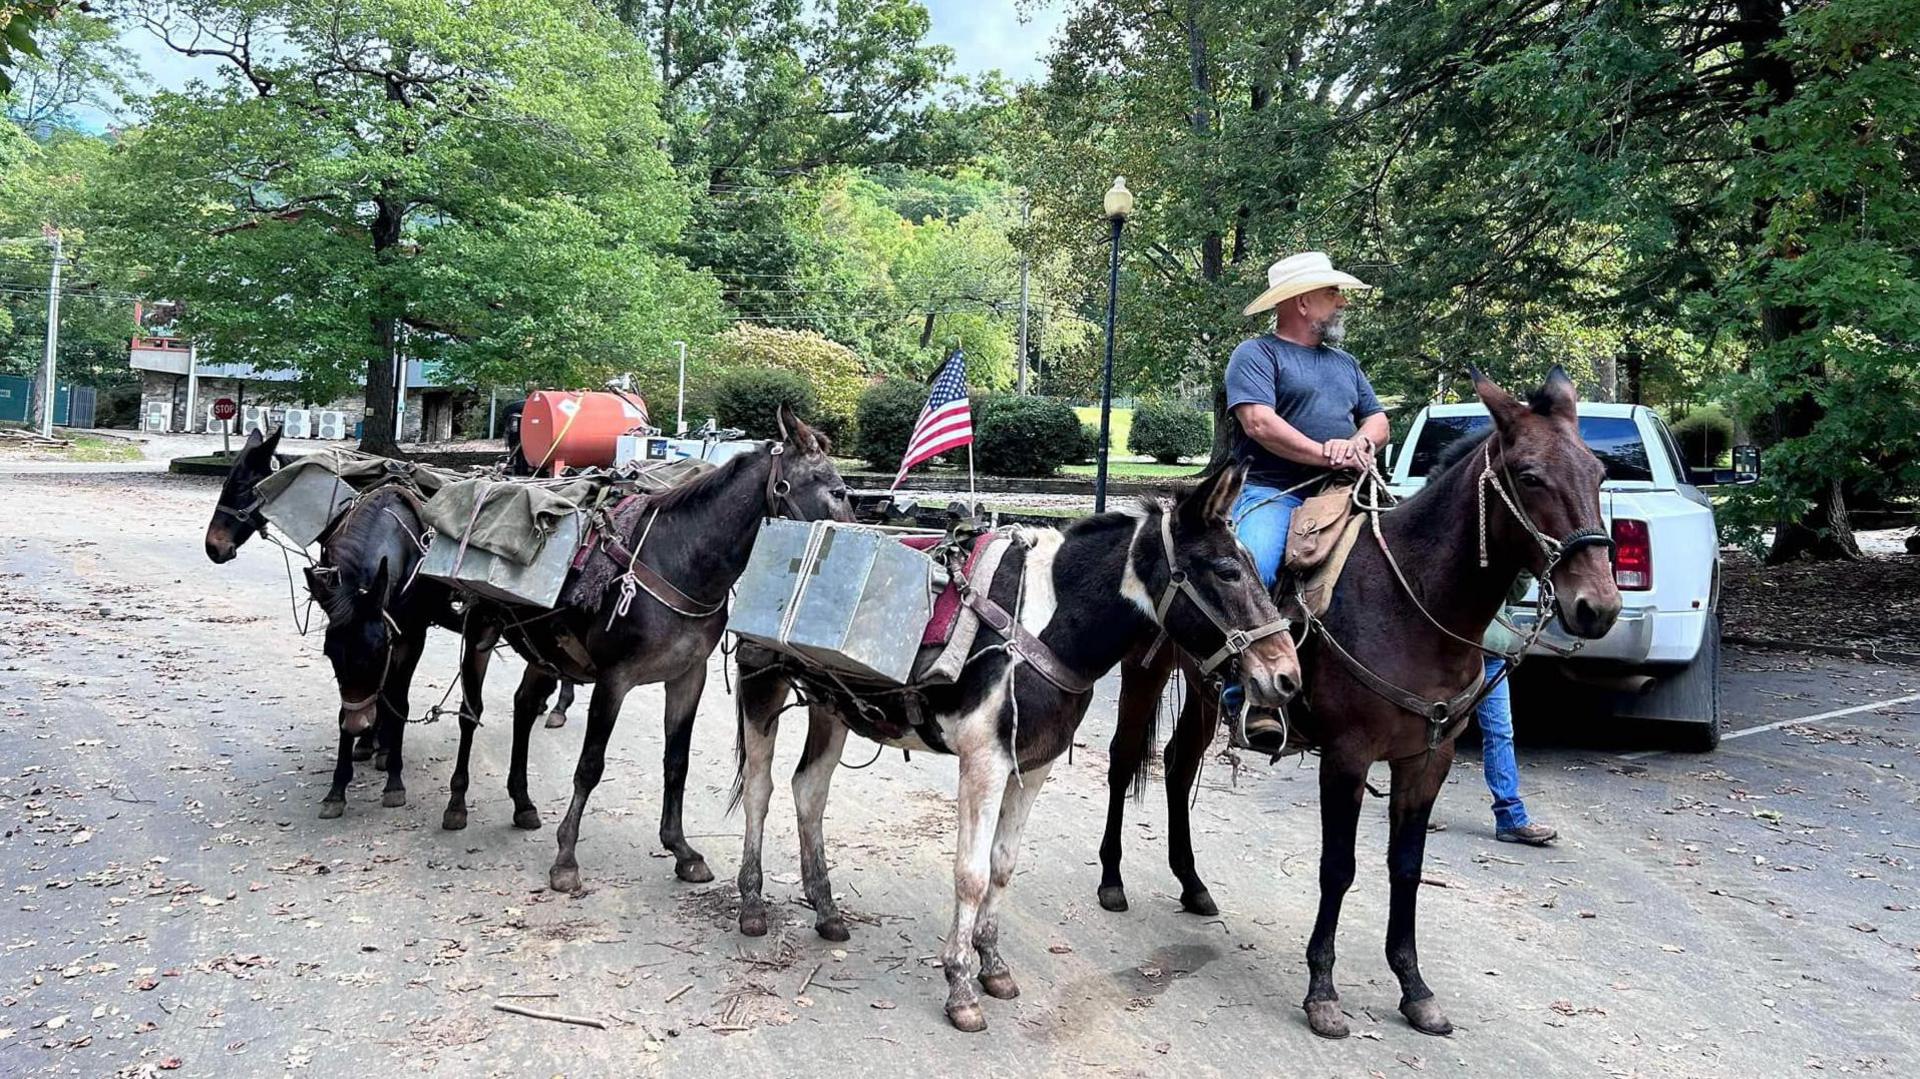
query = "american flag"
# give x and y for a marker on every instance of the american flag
(947, 421)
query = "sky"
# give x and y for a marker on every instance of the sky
(984, 35)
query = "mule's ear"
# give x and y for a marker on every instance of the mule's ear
(1211, 501)
(320, 582)
(1558, 396)
(1505, 407)
(254, 440)
(376, 590)
(794, 432)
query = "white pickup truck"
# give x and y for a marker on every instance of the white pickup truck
(1661, 660)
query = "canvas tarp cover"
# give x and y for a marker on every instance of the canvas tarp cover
(359, 471)
(513, 518)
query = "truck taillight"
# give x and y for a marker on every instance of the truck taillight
(1632, 555)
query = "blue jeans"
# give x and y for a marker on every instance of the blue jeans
(1495, 716)
(1260, 517)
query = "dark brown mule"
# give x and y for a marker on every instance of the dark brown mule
(1106, 586)
(696, 538)
(1423, 646)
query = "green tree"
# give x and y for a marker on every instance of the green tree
(477, 184)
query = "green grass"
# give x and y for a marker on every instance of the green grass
(102, 449)
(1137, 470)
(1120, 425)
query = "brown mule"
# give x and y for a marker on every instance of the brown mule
(1408, 612)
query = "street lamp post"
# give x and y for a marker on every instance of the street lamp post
(1119, 206)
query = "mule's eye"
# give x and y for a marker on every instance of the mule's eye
(838, 492)
(1531, 479)
(1227, 569)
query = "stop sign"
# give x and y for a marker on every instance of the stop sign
(224, 409)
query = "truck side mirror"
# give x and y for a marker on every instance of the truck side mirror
(1746, 464)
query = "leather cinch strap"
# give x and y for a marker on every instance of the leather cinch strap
(1025, 645)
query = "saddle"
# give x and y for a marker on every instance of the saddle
(1319, 540)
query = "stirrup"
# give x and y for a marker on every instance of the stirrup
(1238, 738)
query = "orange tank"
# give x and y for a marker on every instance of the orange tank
(576, 428)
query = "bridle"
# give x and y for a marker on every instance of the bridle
(1555, 550)
(1236, 641)
(386, 667)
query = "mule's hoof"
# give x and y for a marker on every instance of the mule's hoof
(1326, 1019)
(999, 986)
(379, 760)
(1113, 897)
(393, 799)
(564, 878)
(362, 753)
(693, 871)
(527, 820)
(1200, 902)
(1426, 1017)
(454, 820)
(556, 720)
(833, 929)
(331, 809)
(753, 923)
(967, 1017)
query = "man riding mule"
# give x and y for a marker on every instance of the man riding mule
(1394, 666)
(1060, 611)
(1304, 408)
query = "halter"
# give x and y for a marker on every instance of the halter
(386, 666)
(1236, 641)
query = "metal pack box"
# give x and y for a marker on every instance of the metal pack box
(303, 509)
(496, 577)
(850, 598)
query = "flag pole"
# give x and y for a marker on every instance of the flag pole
(973, 498)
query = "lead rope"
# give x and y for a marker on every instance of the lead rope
(629, 584)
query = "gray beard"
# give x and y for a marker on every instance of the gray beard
(1332, 329)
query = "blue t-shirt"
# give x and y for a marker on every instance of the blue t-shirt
(1320, 391)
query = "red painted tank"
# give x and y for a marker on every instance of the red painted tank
(576, 428)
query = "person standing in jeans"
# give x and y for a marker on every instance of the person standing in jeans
(1494, 714)
(1303, 408)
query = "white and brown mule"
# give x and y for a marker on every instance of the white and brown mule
(1079, 601)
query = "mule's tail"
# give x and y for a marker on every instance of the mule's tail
(739, 788)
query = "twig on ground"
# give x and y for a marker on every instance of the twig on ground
(678, 993)
(557, 1017)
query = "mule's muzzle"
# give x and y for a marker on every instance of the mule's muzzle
(357, 721)
(220, 547)
(1590, 615)
(1270, 671)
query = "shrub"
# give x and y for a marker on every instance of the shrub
(884, 421)
(833, 370)
(1089, 447)
(1167, 431)
(1024, 436)
(750, 399)
(1705, 435)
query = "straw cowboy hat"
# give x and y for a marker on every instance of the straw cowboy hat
(1300, 273)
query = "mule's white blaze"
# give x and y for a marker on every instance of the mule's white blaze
(1132, 588)
(1038, 601)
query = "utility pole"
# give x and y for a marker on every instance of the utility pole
(47, 369)
(1026, 217)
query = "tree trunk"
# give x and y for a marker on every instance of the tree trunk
(1635, 362)
(1823, 533)
(377, 435)
(1225, 426)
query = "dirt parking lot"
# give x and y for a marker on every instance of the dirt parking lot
(175, 907)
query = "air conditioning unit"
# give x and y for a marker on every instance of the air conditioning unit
(255, 418)
(214, 426)
(158, 417)
(330, 423)
(297, 423)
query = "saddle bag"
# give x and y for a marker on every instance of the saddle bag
(1316, 527)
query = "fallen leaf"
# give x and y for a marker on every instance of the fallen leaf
(883, 1005)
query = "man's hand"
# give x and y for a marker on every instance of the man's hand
(1347, 452)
